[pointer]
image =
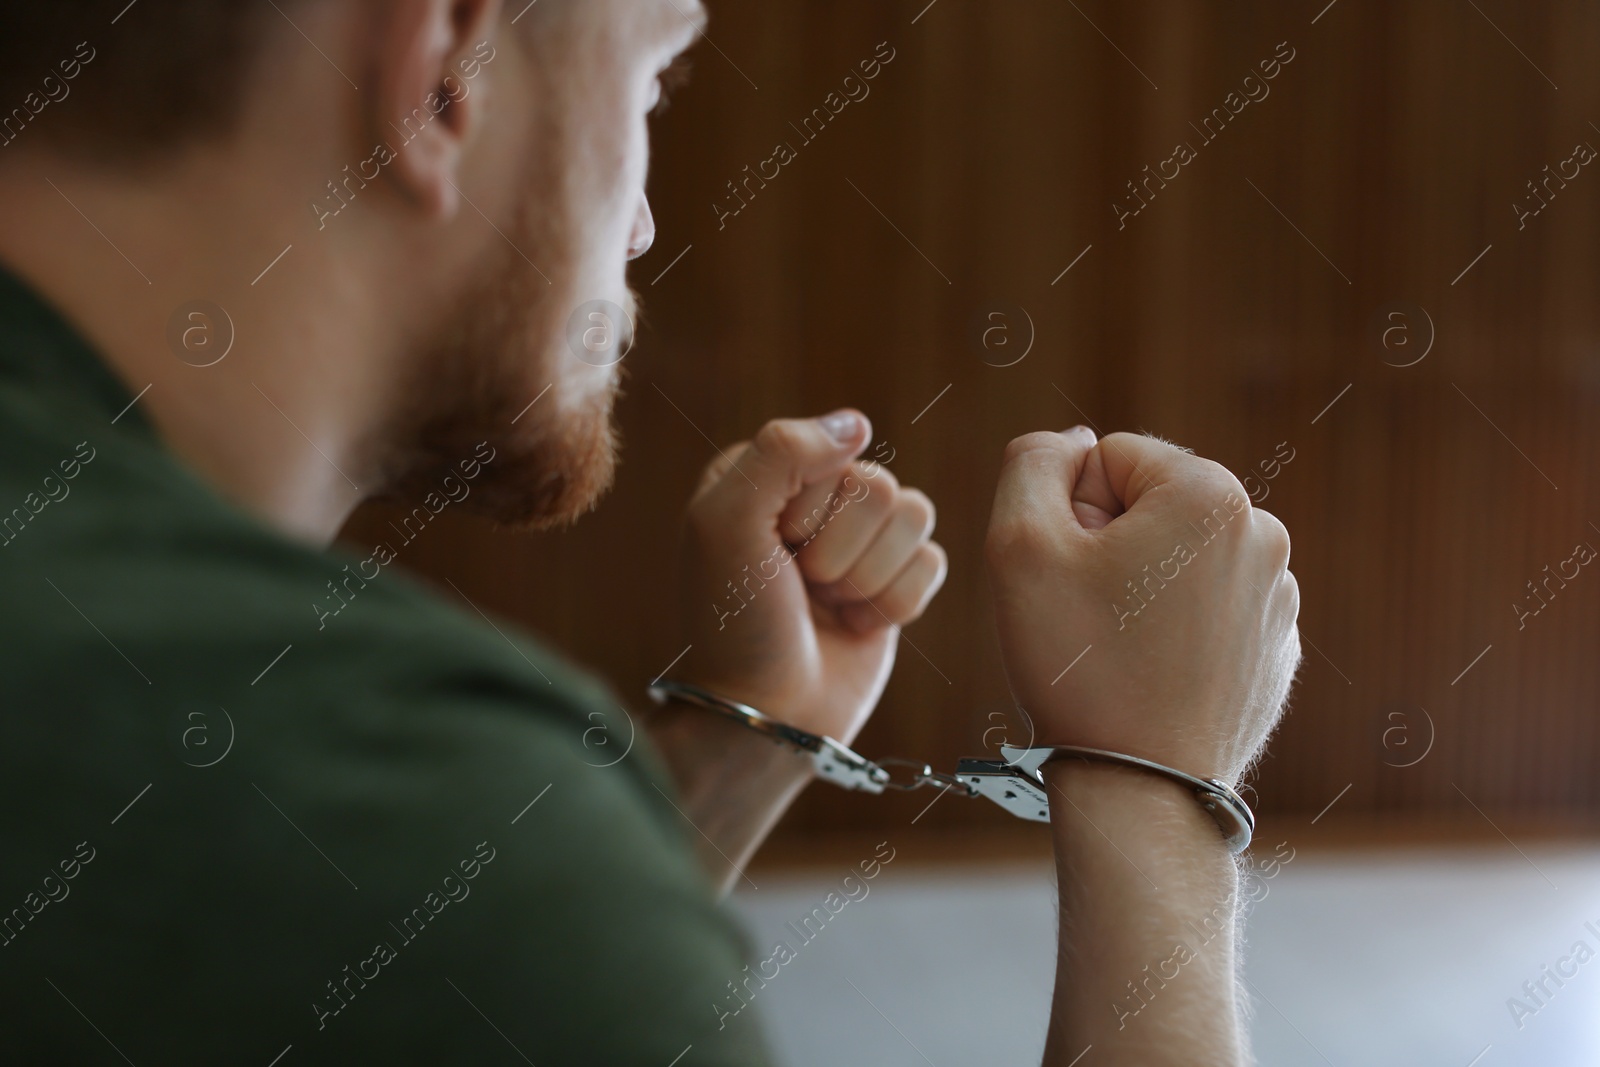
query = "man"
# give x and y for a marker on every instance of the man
(267, 803)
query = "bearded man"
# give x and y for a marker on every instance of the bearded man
(265, 802)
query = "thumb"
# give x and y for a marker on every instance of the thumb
(757, 481)
(1133, 464)
(1038, 479)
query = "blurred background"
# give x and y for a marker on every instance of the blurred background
(1367, 284)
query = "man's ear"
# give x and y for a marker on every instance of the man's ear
(431, 78)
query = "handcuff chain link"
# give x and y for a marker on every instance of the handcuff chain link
(925, 775)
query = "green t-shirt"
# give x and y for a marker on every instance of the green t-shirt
(237, 828)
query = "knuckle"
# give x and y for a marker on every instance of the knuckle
(1290, 594)
(906, 600)
(710, 474)
(780, 439)
(875, 502)
(1131, 443)
(715, 470)
(874, 474)
(1274, 538)
(1211, 485)
(894, 602)
(917, 510)
(803, 528)
(1221, 480)
(716, 464)
(903, 610)
(820, 567)
(1029, 442)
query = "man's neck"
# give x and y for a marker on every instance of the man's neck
(280, 423)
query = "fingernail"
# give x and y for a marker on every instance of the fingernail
(842, 426)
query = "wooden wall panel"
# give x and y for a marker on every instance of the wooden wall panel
(1227, 316)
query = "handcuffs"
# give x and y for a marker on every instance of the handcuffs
(1013, 782)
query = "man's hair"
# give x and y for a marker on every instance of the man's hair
(116, 81)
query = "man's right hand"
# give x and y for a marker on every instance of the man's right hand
(1154, 561)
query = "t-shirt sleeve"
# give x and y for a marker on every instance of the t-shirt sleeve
(589, 933)
(604, 929)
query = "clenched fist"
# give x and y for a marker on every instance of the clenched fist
(803, 562)
(1151, 565)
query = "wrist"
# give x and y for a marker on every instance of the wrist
(1100, 807)
(696, 738)
(732, 783)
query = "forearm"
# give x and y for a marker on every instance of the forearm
(734, 784)
(1149, 899)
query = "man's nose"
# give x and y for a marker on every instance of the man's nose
(644, 231)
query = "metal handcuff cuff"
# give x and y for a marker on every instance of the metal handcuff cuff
(1013, 782)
